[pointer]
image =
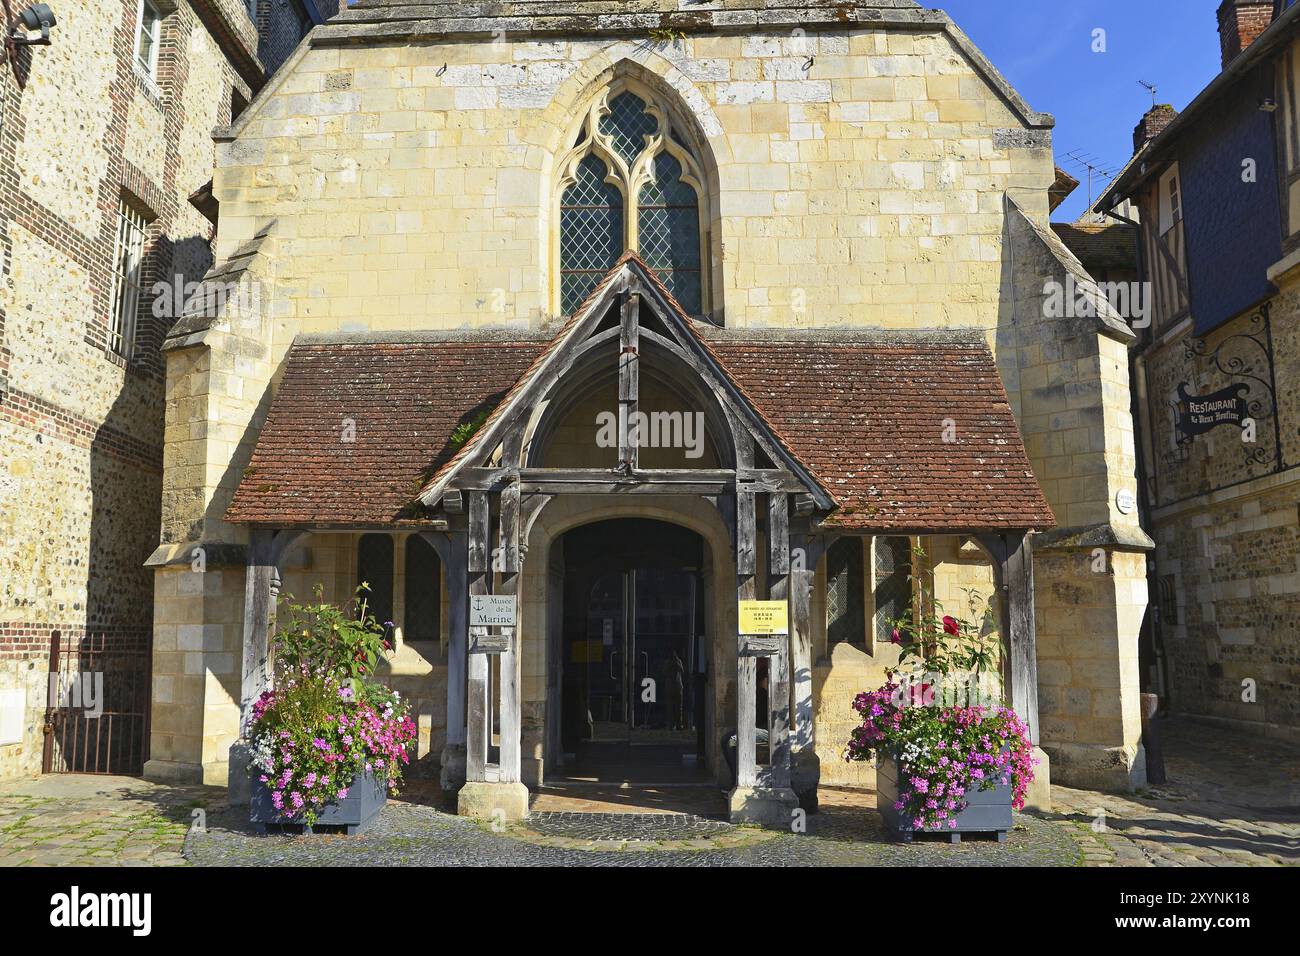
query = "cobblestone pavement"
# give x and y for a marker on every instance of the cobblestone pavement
(626, 827)
(67, 820)
(413, 835)
(1231, 800)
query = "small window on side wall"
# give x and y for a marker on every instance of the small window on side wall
(128, 268)
(148, 34)
(422, 618)
(1171, 200)
(846, 621)
(892, 584)
(375, 568)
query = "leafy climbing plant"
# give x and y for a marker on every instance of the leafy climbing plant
(344, 642)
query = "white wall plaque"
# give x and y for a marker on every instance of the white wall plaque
(492, 610)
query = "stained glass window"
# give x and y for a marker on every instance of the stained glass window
(627, 125)
(669, 231)
(640, 200)
(591, 232)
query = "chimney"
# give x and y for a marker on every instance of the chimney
(1240, 24)
(1153, 124)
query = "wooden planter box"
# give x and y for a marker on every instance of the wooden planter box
(988, 811)
(366, 797)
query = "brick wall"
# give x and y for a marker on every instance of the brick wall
(81, 474)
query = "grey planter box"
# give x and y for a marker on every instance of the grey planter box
(988, 811)
(366, 797)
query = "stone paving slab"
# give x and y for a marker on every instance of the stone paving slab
(83, 820)
(1231, 800)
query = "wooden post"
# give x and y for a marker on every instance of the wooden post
(1013, 573)
(509, 702)
(258, 609)
(629, 379)
(478, 733)
(746, 664)
(266, 549)
(455, 568)
(778, 672)
(806, 769)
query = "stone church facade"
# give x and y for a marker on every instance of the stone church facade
(479, 231)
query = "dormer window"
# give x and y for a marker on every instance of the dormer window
(1171, 201)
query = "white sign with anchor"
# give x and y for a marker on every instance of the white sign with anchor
(492, 610)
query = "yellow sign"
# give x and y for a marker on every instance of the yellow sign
(764, 617)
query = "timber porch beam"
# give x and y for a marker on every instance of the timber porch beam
(689, 481)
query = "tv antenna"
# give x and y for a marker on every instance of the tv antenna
(1093, 166)
(1150, 88)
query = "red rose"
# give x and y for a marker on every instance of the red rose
(950, 626)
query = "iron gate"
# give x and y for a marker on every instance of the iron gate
(97, 712)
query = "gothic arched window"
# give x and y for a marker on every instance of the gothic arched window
(591, 227)
(630, 182)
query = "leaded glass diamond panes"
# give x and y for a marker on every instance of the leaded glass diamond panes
(893, 583)
(669, 232)
(627, 125)
(591, 232)
(845, 613)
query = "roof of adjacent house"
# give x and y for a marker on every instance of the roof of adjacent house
(1280, 32)
(908, 431)
(1100, 245)
(1061, 188)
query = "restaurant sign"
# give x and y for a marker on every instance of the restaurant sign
(1198, 414)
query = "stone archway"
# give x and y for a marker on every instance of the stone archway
(540, 614)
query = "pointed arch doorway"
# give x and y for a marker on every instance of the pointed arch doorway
(633, 653)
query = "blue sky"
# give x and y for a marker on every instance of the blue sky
(1044, 48)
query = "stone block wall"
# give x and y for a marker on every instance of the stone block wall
(82, 429)
(1227, 525)
(412, 184)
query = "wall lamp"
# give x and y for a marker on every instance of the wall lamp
(37, 16)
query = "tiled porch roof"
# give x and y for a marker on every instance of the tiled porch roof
(864, 410)
(867, 412)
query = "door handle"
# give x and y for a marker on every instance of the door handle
(613, 672)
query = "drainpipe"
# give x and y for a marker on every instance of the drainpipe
(1139, 405)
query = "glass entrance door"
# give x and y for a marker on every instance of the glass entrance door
(639, 657)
